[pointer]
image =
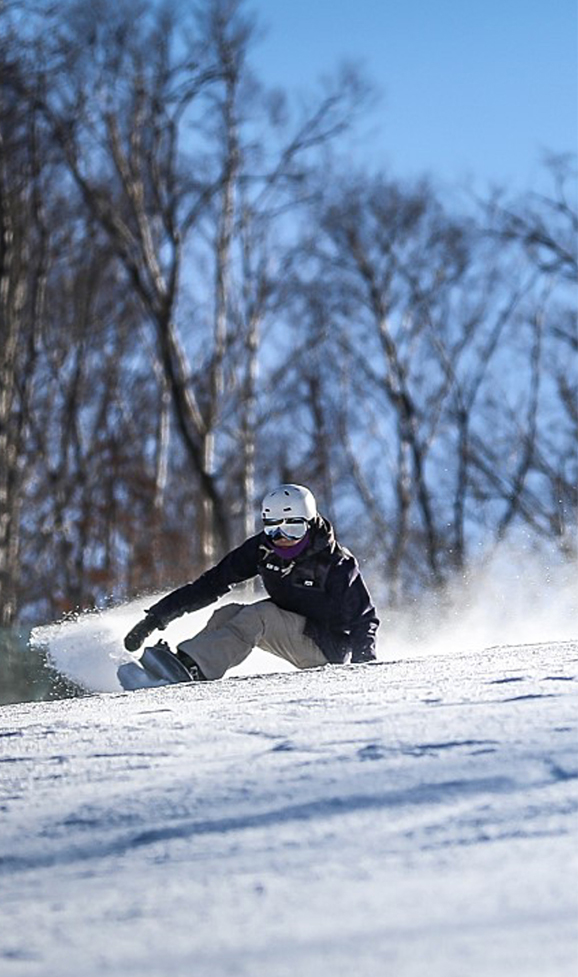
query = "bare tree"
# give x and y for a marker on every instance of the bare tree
(24, 263)
(544, 230)
(443, 422)
(545, 226)
(106, 100)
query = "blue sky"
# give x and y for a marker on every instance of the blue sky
(471, 89)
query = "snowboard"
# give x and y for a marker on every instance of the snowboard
(158, 666)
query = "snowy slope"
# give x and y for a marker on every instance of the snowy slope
(405, 818)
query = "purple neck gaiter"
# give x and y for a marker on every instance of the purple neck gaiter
(290, 552)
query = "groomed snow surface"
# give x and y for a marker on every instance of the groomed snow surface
(412, 817)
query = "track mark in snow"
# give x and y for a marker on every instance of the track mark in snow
(423, 749)
(150, 712)
(330, 807)
(533, 695)
(286, 746)
(127, 755)
(503, 681)
(558, 772)
(19, 954)
(261, 733)
(373, 751)
(429, 793)
(76, 821)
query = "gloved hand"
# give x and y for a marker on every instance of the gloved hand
(141, 631)
(363, 655)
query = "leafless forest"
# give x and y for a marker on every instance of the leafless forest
(200, 296)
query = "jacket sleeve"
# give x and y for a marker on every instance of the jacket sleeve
(238, 565)
(357, 616)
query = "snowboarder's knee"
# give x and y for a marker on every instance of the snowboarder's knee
(223, 614)
(261, 610)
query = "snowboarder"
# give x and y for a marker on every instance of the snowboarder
(318, 610)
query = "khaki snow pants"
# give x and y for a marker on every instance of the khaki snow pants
(235, 629)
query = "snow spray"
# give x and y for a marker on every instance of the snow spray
(88, 647)
(514, 597)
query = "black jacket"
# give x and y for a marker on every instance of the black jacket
(323, 584)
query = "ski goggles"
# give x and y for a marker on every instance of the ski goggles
(294, 528)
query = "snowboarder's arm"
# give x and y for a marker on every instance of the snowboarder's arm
(357, 616)
(240, 564)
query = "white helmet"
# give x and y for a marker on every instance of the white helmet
(287, 511)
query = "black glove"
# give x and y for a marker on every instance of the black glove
(363, 655)
(141, 631)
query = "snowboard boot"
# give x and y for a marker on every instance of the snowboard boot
(191, 667)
